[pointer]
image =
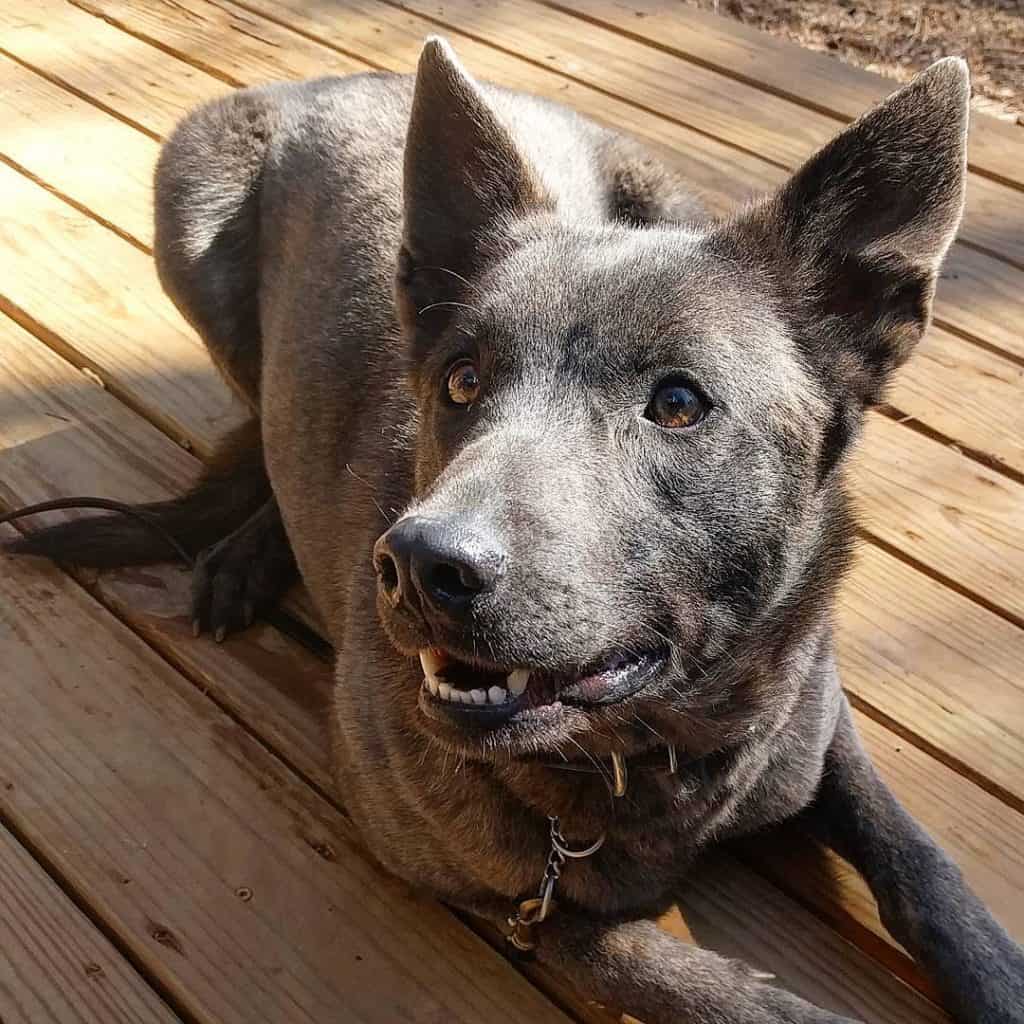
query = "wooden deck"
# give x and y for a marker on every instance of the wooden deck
(171, 846)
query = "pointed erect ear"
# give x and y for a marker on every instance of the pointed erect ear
(464, 178)
(855, 239)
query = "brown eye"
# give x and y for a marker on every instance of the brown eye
(676, 405)
(463, 383)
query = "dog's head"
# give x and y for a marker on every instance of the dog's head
(630, 440)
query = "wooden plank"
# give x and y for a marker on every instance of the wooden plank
(57, 432)
(949, 513)
(230, 41)
(57, 968)
(117, 72)
(814, 80)
(238, 887)
(96, 298)
(60, 434)
(980, 299)
(742, 115)
(104, 164)
(945, 669)
(970, 395)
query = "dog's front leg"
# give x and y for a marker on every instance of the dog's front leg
(637, 967)
(923, 899)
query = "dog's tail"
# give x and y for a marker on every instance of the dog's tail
(232, 486)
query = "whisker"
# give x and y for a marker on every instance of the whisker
(459, 305)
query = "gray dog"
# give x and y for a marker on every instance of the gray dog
(561, 462)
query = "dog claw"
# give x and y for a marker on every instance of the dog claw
(221, 632)
(197, 627)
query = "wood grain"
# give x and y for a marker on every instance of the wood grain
(97, 300)
(970, 395)
(813, 80)
(943, 668)
(60, 434)
(977, 830)
(952, 515)
(57, 968)
(116, 71)
(243, 891)
(103, 163)
(712, 909)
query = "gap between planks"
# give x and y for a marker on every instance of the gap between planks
(809, 78)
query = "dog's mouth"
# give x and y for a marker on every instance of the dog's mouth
(475, 694)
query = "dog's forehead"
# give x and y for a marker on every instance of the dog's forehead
(617, 300)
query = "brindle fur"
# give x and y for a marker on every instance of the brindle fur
(579, 271)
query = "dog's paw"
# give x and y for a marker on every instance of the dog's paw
(242, 576)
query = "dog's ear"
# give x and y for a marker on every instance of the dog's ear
(854, 240)
(464, 178)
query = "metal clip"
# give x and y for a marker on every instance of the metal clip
(619, 771)
(530, 912)
(537, 909)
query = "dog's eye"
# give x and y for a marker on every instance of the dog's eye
(676, 405)
(463, 383)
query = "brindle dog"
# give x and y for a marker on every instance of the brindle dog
(562, 464)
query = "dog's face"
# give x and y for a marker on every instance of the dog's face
(628, 439)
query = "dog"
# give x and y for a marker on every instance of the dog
(561, 462)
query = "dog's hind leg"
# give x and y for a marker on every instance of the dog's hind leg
(208, 186)
(208, 190)
(207, 196)
(922, 896)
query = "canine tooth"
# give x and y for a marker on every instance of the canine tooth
(478, 696)
(444, 691)
(497, 695)
(517, 680)
(431, 664)
(432, 684)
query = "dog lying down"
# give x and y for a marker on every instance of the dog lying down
(561, 461)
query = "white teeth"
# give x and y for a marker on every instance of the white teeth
(434, 662)
(517, 681)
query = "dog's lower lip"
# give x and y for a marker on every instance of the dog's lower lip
(612, 682)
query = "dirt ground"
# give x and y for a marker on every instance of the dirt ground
(898, 38)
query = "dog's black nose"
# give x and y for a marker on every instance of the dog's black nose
(448, 563)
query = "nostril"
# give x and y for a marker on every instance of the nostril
(453, 582)
(387, 570)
